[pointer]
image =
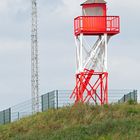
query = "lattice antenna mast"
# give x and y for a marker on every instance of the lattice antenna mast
(34, 60)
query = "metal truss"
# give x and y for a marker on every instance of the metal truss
(34, 60)
(86, 91)
(93, 58)
(91, 74)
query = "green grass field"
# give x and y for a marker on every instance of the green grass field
(80, 122)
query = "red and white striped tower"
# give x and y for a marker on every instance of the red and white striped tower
(91, 74)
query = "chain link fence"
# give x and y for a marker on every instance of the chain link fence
(5, 116)
(57, 99)
(130, 96)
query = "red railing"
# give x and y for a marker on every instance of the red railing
(94, 25)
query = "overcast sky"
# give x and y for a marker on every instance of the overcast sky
(57, 47)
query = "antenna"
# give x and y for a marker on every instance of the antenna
(34, 60)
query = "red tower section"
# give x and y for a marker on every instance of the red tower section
(91, 74)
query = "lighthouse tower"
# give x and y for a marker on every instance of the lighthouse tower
(92, 72)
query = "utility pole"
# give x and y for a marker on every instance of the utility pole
(34, 60)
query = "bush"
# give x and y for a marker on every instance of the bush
(131, 102)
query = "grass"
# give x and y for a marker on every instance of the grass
(80, 122)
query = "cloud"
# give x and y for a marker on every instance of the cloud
(124, 72)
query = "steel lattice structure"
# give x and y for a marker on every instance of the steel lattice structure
(91, 74)
(34, 59)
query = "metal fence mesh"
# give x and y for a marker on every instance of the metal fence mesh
(129, 96)
(5, 116)
(57, 99)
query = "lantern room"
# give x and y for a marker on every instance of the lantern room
(94, 20)
(94, 8)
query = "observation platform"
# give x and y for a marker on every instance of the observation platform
(97, 25)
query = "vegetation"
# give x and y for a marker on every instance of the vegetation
(80, 122)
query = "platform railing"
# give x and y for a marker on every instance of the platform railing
(95, 25)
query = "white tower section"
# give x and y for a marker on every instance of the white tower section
(34, 60)
(92, 57)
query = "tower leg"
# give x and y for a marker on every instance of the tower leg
(88, 91)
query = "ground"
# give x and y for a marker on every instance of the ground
(80, 122)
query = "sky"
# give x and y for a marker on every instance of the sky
(57, 63)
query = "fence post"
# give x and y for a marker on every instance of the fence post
(131, 93)
(135, 95)
(3, 116)
(10, 115)
(42, 103)
(18, 116)
(56, 99)
(48, 101)
(124, 98)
